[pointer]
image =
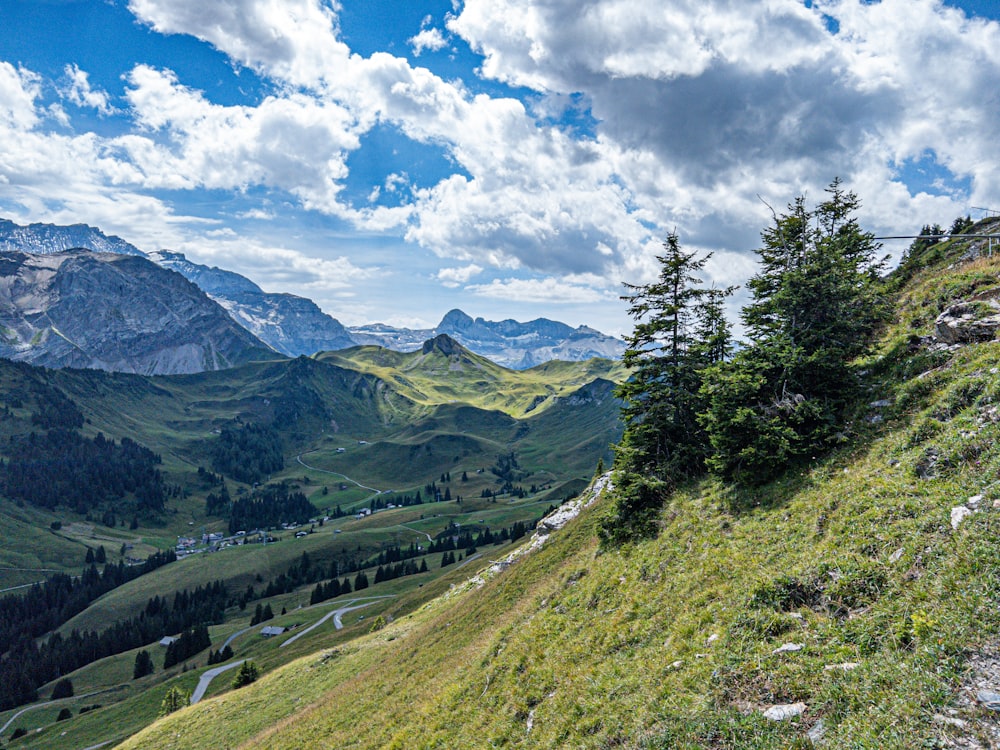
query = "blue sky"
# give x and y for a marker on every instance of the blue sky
(514, 158)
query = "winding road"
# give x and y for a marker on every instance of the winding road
(336, 474)
(49, 703)
(207, 677)
(336, 615)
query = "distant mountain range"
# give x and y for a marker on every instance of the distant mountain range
(284, 323)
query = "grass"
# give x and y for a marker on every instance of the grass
(673, 642)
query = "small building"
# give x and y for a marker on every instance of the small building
(300, 534)
(167, 640)
(271, 630)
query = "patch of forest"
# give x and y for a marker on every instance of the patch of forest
(60, 467)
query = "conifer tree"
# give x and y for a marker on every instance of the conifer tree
(816, 301)
(680, 330)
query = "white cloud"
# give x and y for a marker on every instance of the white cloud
(698, 106)
(454, 277)
(431, 39)
(82, 95)
(547, 290)
(295, 143)
(18, 90)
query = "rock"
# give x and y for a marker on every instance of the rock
(712, 638)
(895, 556)
(973, 502)
(958, 514)
(996, 503)
(846, 666)
(969, 322)
(927, 464)
(988, 699)
(788, 647)
(784, 711)
(949, 721)
(817, 732)
(880, 404)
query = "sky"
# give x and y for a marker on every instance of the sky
(513, 158)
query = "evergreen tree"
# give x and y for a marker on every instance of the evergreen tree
(143, 665)
(680, 331)
(174, 700)
(248, 672)
(816, 301)
(63, 689)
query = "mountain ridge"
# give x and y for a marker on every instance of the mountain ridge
(294, 325)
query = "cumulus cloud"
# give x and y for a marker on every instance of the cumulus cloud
(81, 94)
(694, 108)
(455, 277)
(431, 39)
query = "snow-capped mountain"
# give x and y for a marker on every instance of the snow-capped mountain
(295, 325)
(507, 342)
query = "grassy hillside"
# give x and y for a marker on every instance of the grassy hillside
(358, 424)
(851, 589)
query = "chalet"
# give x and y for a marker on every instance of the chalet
(167, 640)
(271, 630)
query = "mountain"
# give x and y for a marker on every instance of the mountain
(444, 371)
(506, 342)
(113, 312)
(850, 602)
(294, 325)
(289, 324)
(52, 238)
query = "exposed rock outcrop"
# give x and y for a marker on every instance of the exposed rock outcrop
(114, 312)
(974, 320)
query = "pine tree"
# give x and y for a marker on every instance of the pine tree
(248, 672)
(680, 331)
(143, 665)
(174, 700)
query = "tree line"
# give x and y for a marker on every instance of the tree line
(61, 467)
(267, 507)
(693, 406)
(27, 665)
(48, 605)
(248, 453)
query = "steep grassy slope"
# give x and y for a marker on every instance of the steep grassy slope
(844, 587)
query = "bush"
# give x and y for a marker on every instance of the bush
(64, 714)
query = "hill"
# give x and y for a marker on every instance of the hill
(851, 602)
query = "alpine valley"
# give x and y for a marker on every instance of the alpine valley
(386, 549)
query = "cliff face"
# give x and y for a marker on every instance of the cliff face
(113, 312)
(289, 324)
